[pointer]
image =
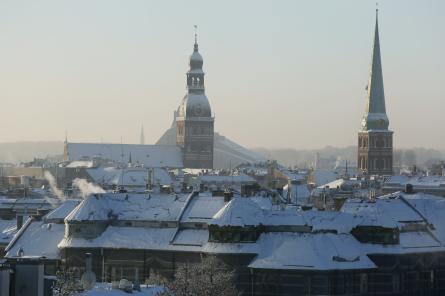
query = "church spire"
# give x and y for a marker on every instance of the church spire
(375, 114)
(195, 76)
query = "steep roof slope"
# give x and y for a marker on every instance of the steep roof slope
(226, 152)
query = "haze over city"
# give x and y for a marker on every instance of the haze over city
(222, 148)
(287, 75)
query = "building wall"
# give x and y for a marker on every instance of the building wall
(414, 274)
(195, 137)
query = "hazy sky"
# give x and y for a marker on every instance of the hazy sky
(278, 73)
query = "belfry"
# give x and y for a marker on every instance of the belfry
(194, 120)
(375, 145)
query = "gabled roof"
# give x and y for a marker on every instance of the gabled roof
(128, 176)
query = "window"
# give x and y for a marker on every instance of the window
(363, 283)
(233, 234)
(396, 283)
(376, 234)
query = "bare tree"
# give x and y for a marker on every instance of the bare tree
(67, 283)
(210, 277)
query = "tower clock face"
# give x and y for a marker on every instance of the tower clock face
(198, 109)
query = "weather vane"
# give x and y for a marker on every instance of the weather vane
(196, 33)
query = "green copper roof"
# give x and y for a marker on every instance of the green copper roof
(375, 113)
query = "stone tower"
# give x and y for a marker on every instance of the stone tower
(194, 121)
(375, 146)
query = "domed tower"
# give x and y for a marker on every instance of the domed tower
(375, 150)
(194, 121)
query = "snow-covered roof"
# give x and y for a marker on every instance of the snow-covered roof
(128, 176)
(7, 230)
(147, 155)
(38, 239)
(80, 164)
(191, 237)
(148, 207)
(323, 242)
(292, 175)
(105, 289)
(59, 213)
(239, 212)
(25, 203)
(239, 178)
(202, 208)
(335, 184)
(299, 193)
(226, 153)
(324, 176)
(391, 210)
(304, 251)
(417, 181)
(125, 238)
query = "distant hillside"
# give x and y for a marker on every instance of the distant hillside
(330, 156)
(26, 151)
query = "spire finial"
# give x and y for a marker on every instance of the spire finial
(196, 37)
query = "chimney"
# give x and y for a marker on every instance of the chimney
(88, 279)
(88, 262)
(409, 189)
(228, 196)
(19, 222)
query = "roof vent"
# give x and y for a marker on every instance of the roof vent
(409, 189)
(228, 196)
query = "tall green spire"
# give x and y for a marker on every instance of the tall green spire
(375, 117)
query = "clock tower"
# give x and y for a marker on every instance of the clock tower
(194, 120)
(375, 146)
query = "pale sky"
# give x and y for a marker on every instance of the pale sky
(278, 73)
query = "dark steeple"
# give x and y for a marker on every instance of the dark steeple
(375, 117)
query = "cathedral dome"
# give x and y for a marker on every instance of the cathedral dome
(196, 60)
(195, 105)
